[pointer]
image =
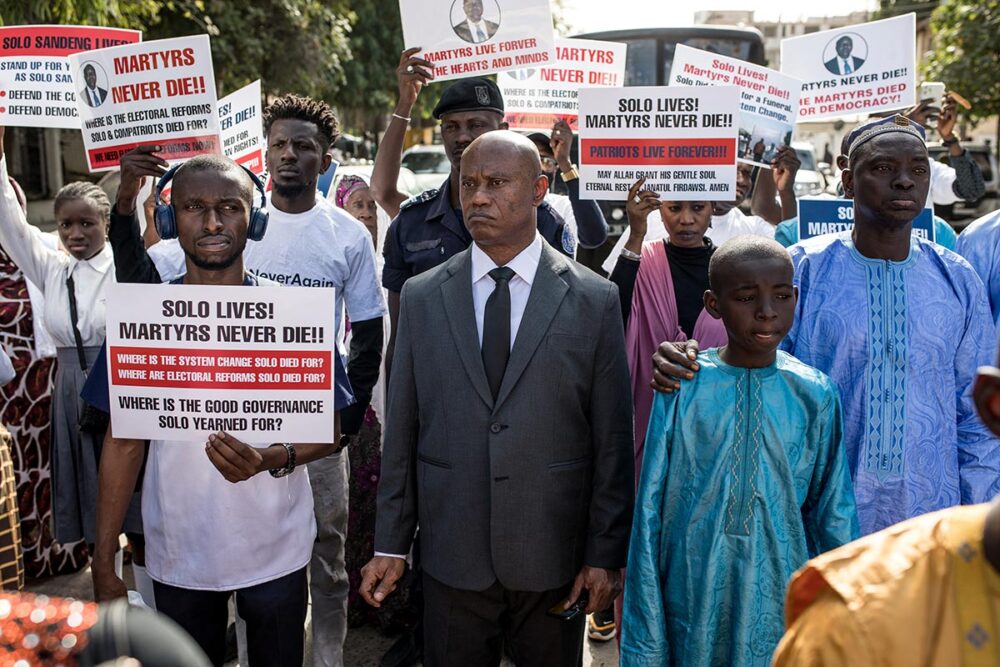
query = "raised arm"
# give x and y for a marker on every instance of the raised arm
(20, 239)
(132, 263)
(411, 74)
(591, 227)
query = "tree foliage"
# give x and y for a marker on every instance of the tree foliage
(889, 8)
(965, 54)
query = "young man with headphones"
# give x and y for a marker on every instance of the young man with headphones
(224, 516)
(311, 242)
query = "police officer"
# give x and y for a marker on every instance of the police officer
(429, 228)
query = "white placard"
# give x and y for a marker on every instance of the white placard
(769, 100)
(160, 92)
(681, 139)
(185, 361)
(535, 98)
(858, 69)
(36, 85)
(242, 129)
(500, 35)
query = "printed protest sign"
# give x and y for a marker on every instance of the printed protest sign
(858, 69)
(160, 92)
(36, 85)
(242, 129)
(189, 360)
(478, 37)
(769, 100)
(682, 140)
(830, 216)
(536, 97)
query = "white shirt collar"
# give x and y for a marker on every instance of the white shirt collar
(525, 264)
(101, 262)
(481, 24)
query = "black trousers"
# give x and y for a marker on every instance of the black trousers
(274, 611)
(469, 628)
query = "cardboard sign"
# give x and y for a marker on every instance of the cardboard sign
(160, 92)
(681, 139)
(189, 360)
(241, 127)
(860, 69)
(478, 37)
(831, 216)
(535, 98)
(36, 84)
(769, 100)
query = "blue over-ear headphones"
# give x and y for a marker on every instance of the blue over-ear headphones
(166, 220)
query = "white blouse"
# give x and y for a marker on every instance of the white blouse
(49, 268)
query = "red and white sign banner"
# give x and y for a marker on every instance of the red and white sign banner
(535, 98)
(242, 127)
(858, 69)
(189, 360)
(681, 139)
(160, 92)
(36, 84)
(769, 100)
(474, 37)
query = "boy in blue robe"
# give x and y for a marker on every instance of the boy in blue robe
(744, 479)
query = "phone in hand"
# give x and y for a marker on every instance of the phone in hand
(932, 90)
(574, 610)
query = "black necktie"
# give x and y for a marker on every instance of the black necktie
(496, 328)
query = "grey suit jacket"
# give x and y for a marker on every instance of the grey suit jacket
(529, 488)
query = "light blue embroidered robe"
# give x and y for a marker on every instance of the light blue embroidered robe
(744, 478)
(902, 341)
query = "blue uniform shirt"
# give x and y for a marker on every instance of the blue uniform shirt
(428, 231)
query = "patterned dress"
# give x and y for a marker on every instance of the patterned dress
(25, 410)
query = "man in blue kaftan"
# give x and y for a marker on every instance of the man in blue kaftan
(979, 243)
(900, 327)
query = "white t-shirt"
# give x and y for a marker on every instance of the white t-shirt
(323, 247)
(223, 536)
(941, 190)
(724, 227)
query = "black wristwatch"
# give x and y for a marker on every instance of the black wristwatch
(288, 467)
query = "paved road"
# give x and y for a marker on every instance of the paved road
(364, 645)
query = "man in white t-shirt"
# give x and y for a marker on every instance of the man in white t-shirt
(728, 221)
(309, 243)
(215, 522)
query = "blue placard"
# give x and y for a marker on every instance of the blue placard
(831, 216)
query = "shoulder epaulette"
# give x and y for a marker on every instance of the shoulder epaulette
(426, 195)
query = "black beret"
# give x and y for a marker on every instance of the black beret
(475, 94)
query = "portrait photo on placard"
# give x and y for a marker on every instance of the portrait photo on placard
(846, 53)
(95, 89)
(475, 21)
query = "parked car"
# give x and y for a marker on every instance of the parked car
(987, 162)
(429, 164)
(809, 181)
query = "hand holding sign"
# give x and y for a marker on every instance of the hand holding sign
(560, 142)
(412, 74)
(784, 167)
(136, 165)
(236, 460)
(638, 207)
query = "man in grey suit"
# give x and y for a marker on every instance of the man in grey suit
(508, 438)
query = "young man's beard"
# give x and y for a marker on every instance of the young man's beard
(291, 191)
(216, 265)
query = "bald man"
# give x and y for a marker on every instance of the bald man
(509, 432)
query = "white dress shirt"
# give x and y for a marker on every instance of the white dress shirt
(48, 269)
(846, 67)
(480, 33)
(525, 266)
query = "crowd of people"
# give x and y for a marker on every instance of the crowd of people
(725, 453)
